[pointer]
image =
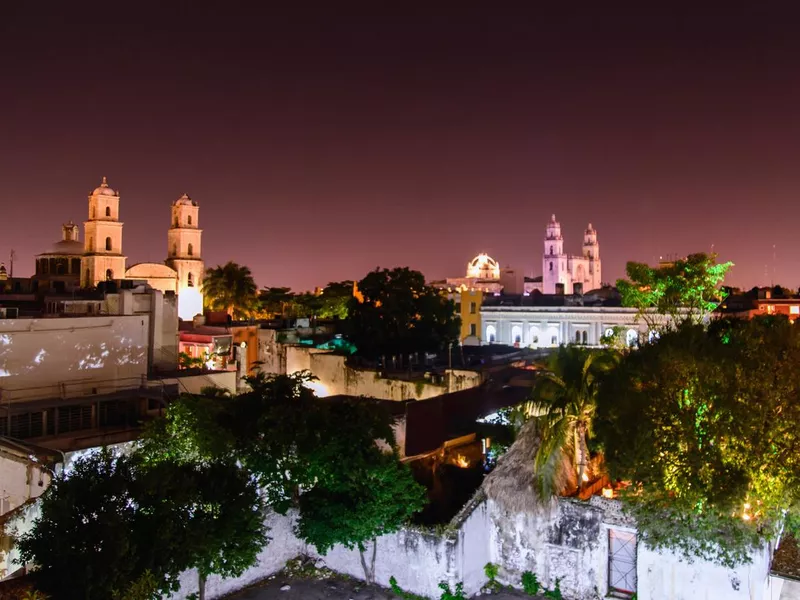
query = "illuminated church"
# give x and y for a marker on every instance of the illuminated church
(70, 263)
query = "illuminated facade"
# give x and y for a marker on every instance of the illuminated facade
(184, 256)
(102, 258)
(470, 302)
(483, 266)
(561, 272)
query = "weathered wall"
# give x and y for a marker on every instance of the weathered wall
(334, 377)
(282, 547)
(193, 384)
(45, 358)
(19, 481)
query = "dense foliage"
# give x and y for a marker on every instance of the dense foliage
(318, 455)
(114, 523)
(685, 289)
(396, 314)
(232, 289)
(564, 403)
(330, 303)
(704, 423)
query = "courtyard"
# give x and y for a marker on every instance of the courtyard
(333, 588)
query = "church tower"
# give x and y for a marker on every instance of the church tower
(102, 257)
(554, 264)
(184, 256)
(591, 251)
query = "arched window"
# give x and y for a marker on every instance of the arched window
(631, 337)
(108, 211)
(60, 268)
(108, 244)
(585, 338)
(551, 251)
(551, 267)
(174, 249)
(190, 280)
(89, 244)
(189, 219)
(516, 335)
(190, 250)
(491, 334)
(109, 274)
(176, 221)
(577, 337)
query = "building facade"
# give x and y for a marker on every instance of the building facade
(561, 272)
(102, 232)
(551, 326)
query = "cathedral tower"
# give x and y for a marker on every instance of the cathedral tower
(554, 264)
(591, 251)
(102, 258)
(184, 256)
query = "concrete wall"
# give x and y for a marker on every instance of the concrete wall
(19, 480)
(334, 377)
(70, 357)
(193, 384)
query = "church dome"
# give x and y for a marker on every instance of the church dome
(103, 189)
(483, 266)
(65, 248)
(185, 200)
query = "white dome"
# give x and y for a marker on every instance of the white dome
(483, 266)
(103, 189)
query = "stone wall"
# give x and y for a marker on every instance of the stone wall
(335, 377)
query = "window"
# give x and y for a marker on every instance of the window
(491, 333)
(516, 335)
(631, 337)
(794, 310)
(577, 337)
(189, 219)
(190, 280)
(90, 246)
(551, 267)
(109, 274)
(93, 212)
(176, 221)
(585, 336)
(554, 340)
(190, 250)
(108, 211)
(174, 249)
(551, 251)
(770, 309)
(108, 244)
(472, 329)
(621, 562)
(472, 307)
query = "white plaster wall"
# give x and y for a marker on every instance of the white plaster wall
(664, 576)
(282, 547)
(193, 384)
(334, 377)
(19, 481)
(474, 550)
(417, 560)
(43, 358)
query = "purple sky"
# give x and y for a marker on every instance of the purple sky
(322, 145)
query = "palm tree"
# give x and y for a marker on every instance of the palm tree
(564, 403)
(231, 288)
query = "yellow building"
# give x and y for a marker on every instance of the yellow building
(469, 302)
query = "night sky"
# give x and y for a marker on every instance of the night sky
(322, 144)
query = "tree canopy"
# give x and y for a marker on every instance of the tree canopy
(330, 303)
(114, 522)
(703, 423)
(685, 289)
(231, 288)
(395, 313)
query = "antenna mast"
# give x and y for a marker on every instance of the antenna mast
(11, 263)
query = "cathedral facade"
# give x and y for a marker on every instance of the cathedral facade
(69, 264)
(560, 271)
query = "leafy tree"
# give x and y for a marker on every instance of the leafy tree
(564, 402)
(703, 425)
(335, 299)
(686, 289)
(370, 494)
(231, 288)
(397, 314)
(277, 301)
(114, 523)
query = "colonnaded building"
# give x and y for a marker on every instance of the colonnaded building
(70, 263)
